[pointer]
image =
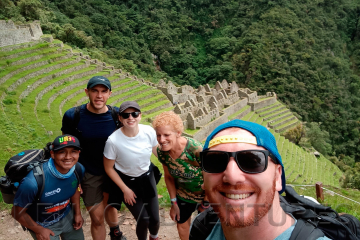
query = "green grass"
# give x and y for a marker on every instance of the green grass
(232, 116)
(253, 117)
(191, 131)
(248, 116)
(263, 99)
(268, 107)
(38, 46)
(287, 124)
(145, 117)
(40, 52)
(49, 58)
(266, 113)
(155, 105)
(281, 120)
(158, 97)
(27, 107)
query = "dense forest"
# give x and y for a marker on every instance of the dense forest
(308, 52)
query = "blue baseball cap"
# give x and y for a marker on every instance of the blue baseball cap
(99, 80)
(263, 136)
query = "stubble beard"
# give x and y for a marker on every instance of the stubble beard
(233, 216)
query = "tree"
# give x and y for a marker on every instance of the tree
(295, 134)
(318, 138)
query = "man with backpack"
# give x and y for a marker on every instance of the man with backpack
(243, 179)
(55, 212)
(93, 123)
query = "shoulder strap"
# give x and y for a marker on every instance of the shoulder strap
(40, 179)
(114, 115)
(76, 119)
(305, 230)
(203, 225)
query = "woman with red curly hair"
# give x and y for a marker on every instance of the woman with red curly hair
(183, 177)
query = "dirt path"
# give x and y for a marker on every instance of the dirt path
(11, 230)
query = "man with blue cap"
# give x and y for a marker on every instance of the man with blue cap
(243, 179)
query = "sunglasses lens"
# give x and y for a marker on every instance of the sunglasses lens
(251, 161)
(214, 162)
(127, 115)
(135, 114)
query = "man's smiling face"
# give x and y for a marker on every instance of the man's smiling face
(241, 199)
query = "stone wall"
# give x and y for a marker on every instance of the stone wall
(11, 34)
(235, 107)
(242, 114)
(200, 107)
(208, 128)
(263, 103)
(251, 95)
(4, 25)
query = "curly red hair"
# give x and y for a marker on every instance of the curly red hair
(169, 118)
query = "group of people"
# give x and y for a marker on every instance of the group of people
(238, 167)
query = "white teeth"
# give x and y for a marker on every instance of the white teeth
(237, 196)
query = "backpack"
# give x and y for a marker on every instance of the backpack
(313, 220)
(20, 165)
(76, 119)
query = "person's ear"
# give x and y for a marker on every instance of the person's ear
(86, 91)
(278, 173)
(52, 154)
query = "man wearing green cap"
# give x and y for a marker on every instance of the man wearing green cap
(93, 123)
(243, 179)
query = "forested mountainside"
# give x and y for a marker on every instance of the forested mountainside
(306, 51)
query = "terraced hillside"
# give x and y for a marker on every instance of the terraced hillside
(39, 81)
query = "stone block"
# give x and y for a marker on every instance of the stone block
(218, 86)
(162, 83)
(188, 104)
(224, 84)
(207, 88)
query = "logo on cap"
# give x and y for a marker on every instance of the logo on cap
(66, 139)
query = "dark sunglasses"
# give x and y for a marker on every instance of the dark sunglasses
(249, 161)
(127, 115)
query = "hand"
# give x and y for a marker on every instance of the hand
(78, 221)
(175, 212)
(44, 234)
(129, 196)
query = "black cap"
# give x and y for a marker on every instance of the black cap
(129, 104)
(64, 141)
(99, 80)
